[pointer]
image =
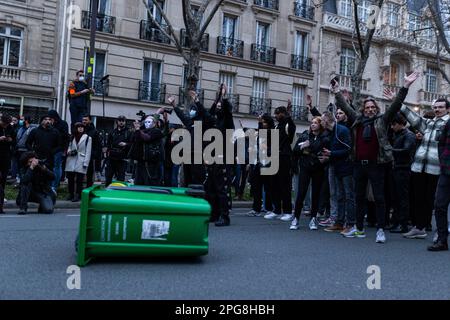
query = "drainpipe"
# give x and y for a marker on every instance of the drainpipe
(319, 65)
(66, 73)
(59, 107)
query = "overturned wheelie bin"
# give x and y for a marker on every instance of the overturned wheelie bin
(141, 221)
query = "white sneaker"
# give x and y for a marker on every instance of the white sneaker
(381, 238)
(415, 233)
(313, 224)
(354, 233)
(287, 217)
(5, 200)
(295, 225)
(253, 213)
(271, 216)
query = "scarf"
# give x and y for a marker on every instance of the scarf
(368, 124)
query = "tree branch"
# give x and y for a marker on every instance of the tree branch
(435, 13)
(208, 20)
(187, 15)
(358, 31)
(438, 57)
(171, 34)
(202, 9)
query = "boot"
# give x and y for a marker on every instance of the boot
(223, 221)
(76, 198)
(69, 197)
(1, 209)
(439, 246)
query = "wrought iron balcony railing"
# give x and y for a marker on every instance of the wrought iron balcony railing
(101, 87)
(259, 106)
(300, 113)
(153, 92)
(263, 53)
(301, 63)
(204, 45)
(268, 4)
(234, 100)
(149, 31)
(183, 99)
(303, 11)
(104, 23)
(230, 47)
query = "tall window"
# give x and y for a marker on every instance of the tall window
(262, 34)
(104, 7)
(432, 81)
(345, 8)
(228, 79)
(414, 22)
(155, 12)
(152, 75)
(391, 76)
(348, 62)
(10, 46)
(298, 95)
(393, 11)
(363, 10)
(259, 88)
(229, 27)
(99, 64)
(301, 44)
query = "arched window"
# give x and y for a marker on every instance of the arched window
(10, 46)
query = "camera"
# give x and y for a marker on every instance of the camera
(141, 114)
(73, 153)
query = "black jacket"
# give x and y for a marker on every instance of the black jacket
(308, 158)
(142, 140)
(116, 152)
(45, 142)
(40, 178)
(222, 120)
(286, 129)
(91, 131)
(5, 146)
(63, 129)
(404, 148)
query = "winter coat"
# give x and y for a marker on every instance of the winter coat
(286, 129)
(45, 142)
(96, 152)
(340, 147)
(381, 124)
(404, 147)
(79, 163)
(308, 158)
(444, 149)
(426, 158)
(22, 137)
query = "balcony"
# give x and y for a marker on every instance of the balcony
(204, 45)
(234, 100)
(300, 113)
(10, 73)
(346, 83)
(182, 98)
(263, 54)
(303, 11)
(149, 31)
(259, 106)
(430, 97)
(152, 92)
(340, 24)
(268, 4)
(105, 23)
(301, 63)
(100, 87)
(230, 47)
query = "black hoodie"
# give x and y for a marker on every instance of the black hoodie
(45, 142)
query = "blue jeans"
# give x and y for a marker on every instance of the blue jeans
(57, 170)
(345, 193)
(175, 171)
(333, 181)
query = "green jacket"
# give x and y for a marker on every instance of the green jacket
(381, 124)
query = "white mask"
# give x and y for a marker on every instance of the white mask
(81, 78)
(192, 113)
(149, 123)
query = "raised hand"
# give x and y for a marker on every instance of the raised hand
(409, 80)
(171, 100)
(308, 100)
(388, 94)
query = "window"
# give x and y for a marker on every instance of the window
(262, 34)
(432, 82)
(229, 27)
(363, 10)
(152, 76)
(298, 95)
(393, 11)
(259, 88)
(104, 7)
(155, 12)
(414, 22)
(301, 44)
(10, 46)
(99, 64)
(348, 62)
(228, 79)
(391, 76)
(345, 8)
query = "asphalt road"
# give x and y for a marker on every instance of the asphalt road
(251, 259)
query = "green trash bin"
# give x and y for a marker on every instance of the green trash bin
(140, 221)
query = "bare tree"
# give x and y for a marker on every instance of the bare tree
(195, 29)
(362, 47)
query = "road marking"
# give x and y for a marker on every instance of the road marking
(72, 215)
(16, 216)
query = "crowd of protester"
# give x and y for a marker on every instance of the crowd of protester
(355, 166)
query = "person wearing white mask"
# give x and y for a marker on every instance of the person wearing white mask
(78, 97)
(146, 151)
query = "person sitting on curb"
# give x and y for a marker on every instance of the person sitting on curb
(35, 185)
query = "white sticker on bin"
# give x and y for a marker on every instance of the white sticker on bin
(155, 230)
